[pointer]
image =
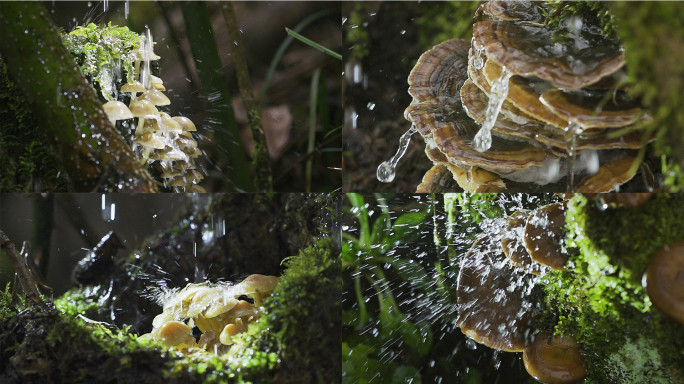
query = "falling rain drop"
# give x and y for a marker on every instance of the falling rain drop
(126, 9)
(106, 5)
(470, 344)
(387, 170)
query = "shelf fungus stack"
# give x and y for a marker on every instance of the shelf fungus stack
(160, 140)
(496, 303)
(527, 107)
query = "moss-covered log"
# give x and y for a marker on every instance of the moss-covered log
(297, 341)
(65, 105)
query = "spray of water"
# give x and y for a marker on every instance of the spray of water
(483, 138)
(387, 170)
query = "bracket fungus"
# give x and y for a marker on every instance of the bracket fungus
(215, 310)
(528, 104)
(554, 360)
(493, 308)
(665, 280)
(544, 234)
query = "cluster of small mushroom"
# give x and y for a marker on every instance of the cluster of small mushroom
(159, 138)
(220, 312)
(496, 278)
(524, 105)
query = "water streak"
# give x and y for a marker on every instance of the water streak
(571, 131)
(483, 139)
(476, 60)
(387, 170)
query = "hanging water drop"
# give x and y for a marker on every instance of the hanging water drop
(387, 170)
(470, 344)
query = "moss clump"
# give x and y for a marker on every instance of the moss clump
(101, 52)
(600, 298)
(653, 35)
(303, 324)
(441, 21)
(27, 164)
(357, 37)
(7, 310)
(593, 12)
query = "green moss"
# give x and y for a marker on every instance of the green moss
(653, 36)
(594, 12)
(313, 282)
(441, 21)
(600, 298)
(101, 51)
(27, 163)
(7, 310)
(357, 37)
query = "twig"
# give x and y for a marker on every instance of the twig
(313, 99)
(25, 277)
(262, 163)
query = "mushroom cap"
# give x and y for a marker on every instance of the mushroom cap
(611, 174)
(177, 182)
(524, 94)
(194, 188)
(440, 73)
(475, 104)
(194, 174)
(476, 179)
(169, 124)
(171, 172)
(186, 134)
(514, 247)
(150, 140)
(544, 234)
(117, 110)
(529, 50)
(143, 108)
(512, 10)
(581, 107)
(228, 332)
(629, 200)
(257, 284)
(242, 309)
(187, 124)
(665, 280)
(157, 83)
(493, 308)
(173, 333)
(133, 88)
(156, 97)
(168, 153)
(555, 360)
(150, 54)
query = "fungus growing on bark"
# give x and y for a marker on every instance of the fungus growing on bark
(117, 110)
(258, 287)
(514, 247)
(492, 305)
(554, 360)
(544, 235)
(665, 280)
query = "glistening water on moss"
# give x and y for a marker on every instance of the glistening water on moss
(102, 51)
(600, 298)
(557, 11)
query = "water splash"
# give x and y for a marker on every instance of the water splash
(571, 131)
(387, 170)
(483, 140)
(476, 60)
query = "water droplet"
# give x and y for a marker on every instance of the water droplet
(386, 170)
(370, 106)
(471, 344)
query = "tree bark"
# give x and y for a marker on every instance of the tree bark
(65, 106)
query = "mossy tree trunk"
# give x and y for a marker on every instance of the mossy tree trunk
(64, 105)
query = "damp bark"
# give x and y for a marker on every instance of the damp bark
(64, 105)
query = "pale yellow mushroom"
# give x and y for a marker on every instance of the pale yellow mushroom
(171, 172)
(133, 88)
(117, 110)
(228, 332)
(194, 174)
(186, 123)
(186, 143)
(185, 134)
(195, 189)
(149, 140)
(157, 83)
(169, 124)
(150, 54)
(257, 287)
(193, 152)
(155, 97)
(168, 154)
(174, 334)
